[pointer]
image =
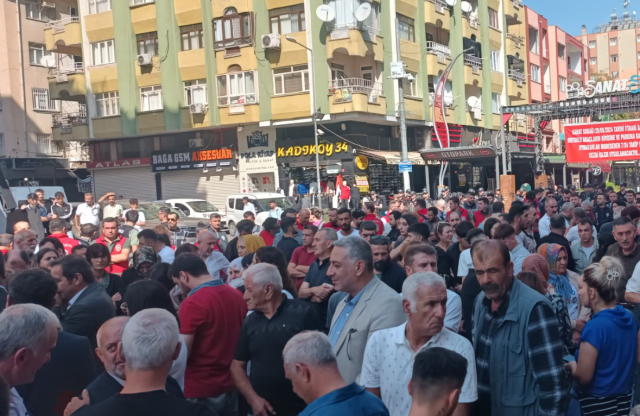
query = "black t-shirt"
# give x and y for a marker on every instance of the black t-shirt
(262, 341)
(316, 276)
(454, 257)
(152, 403)
(394, 276)
(287, 245)
(444, 265)
(470, 290)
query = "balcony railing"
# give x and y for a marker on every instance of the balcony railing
(49, 147)
(516, 75)
(74, 68)
(517, 3)
(472, 61)
(438, 49)
(547, 89)
(42, 102)
(58, 25)
(344, 88)
(441, 6)
(66, 120)
(77, 151)
(519, 41)
(341, 31)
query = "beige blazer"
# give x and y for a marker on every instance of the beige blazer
(380, 307)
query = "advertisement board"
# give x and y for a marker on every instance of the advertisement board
(596, 142)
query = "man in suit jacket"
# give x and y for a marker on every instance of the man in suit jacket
(370, 305)
(88, 305)
(71, 358)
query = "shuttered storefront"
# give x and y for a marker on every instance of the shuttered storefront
(213, 186)
(126, 183)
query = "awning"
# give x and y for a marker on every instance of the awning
(456, 153)
(604, 165)
(392, 157)
(558, 159)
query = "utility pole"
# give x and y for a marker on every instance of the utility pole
(404, 154)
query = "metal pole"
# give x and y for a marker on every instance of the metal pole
(404, 155)
(497, 173)
(504, 142)
(426, 175)
(564, 175)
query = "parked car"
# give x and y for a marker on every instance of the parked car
(196, 208)
(235, 207)
(150, 210)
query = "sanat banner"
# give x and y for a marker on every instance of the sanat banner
(617, 140)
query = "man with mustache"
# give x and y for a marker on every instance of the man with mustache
(518, 349)
(390, 353)
(626, 250)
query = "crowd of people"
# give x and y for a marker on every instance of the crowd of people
(408, 306)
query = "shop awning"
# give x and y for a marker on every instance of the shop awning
(457, 153)
(392, 157)
(558, 159)
(604, 165)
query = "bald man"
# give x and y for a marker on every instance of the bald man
(20, 225)
(217, 263)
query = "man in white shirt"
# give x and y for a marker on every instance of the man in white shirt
(572, 235)
(389, 355)
(551, 209)
(111, 210)
(466, 262)
(248, 206)
(149, 238)
(88, 212)
(33, 331)
(133, 205)
(344, 221)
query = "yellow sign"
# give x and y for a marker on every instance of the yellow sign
(362, 182)
(327, 149)
(362, 162)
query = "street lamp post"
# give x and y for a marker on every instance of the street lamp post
(313, 114)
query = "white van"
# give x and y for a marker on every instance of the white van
(20, 192)
(235, 207)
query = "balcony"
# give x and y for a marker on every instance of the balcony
(71, 123)
(437, 14)
(472, 70)
(516, 85)
(143, 18)
(356, 95)
(64, 36)
(514, 12)
(438, 57)
(68, 82)
(46, 146)
(514, 42)
(355, 39)
(77, 151)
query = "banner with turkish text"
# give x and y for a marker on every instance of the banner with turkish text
(591, 142)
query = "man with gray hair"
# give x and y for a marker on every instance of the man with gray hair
(150, 343)
(389, 356)
(26, 240)
(310, 364)
(28, 333)
(368, 306)
(274, 321)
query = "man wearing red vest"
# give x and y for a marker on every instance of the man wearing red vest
(454, 205)
(117, 244)
(483, 211)
(58, 230)
(369, 209)
(423, 210)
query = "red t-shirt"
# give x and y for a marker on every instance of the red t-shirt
(267, 237)
(68, 243)
(329, 225)
(301, 257)
(345, 192)
(377, 221)
(478, 217)
(214, 315)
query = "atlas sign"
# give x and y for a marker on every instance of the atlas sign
(593, 88)
(121, 163)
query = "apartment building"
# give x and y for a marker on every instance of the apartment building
(168, 77)
(28, 150)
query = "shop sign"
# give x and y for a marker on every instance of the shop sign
(593, 88)
(261, 161)
(362, 182)
(305, 150)
(405, 166)
(467, 153)
(120, 163)
(257, 139)
(195, 158)
(362, 162)
(592, 142)
(33, 163)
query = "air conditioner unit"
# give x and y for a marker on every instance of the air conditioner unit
(477, 114)
(48, 4)
(271, 41)
(197, 108)
(196, 142)
(395, 132)
(144, 60)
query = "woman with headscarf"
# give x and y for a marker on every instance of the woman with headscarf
(538, 265)
(249, 244)
(143, 260)
(566, 283)
(234, 273)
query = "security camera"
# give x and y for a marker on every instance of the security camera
(320, 132)
(410, 78)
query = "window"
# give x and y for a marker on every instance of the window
(533, 41)
(560, 50)
(614, 74)
(99, 6)
(592, 43)
(594, 61)
(345, 18)
(535, 73)
(237, 87)
(191, 37)
(133, 148)
(107, 104)
(48, 146)
(35, 11)
(195, 92)
(287, 19)
(138, 2)
(103, 52)
(494, 19)
(41, 100)
(291, 79)
(406, 29)
(233, 29)
(337, 72)
(544, 43)
(495, 61)
(101, 151)
(410, 88)
(563, 84)
(614, 58)
(147, 43)
(37, 51)
(151, 98)
(613, 41)
(495, 103)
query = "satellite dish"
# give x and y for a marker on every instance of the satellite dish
(325, 13)
(466, 7)
(473, 102)
(363, 11)
(48, 61)
(451, 3)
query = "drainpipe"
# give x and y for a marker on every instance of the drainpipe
(24, 93)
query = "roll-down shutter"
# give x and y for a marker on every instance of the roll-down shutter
(126, 183)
